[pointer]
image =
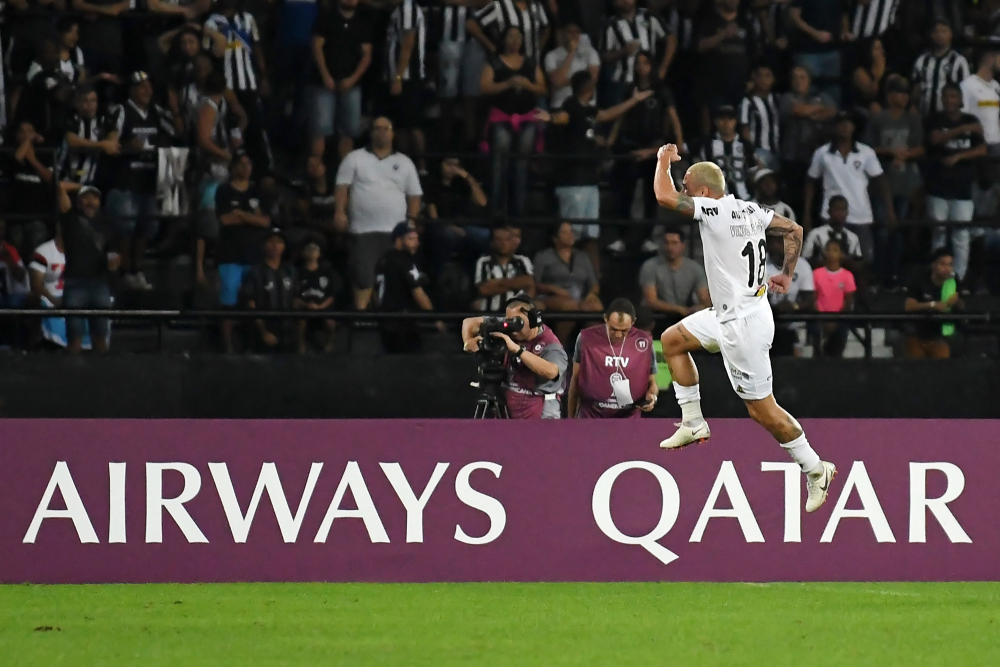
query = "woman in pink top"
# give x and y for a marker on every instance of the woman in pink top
(835, 289)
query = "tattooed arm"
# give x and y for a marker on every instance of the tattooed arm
(663, 183)
(792, 234)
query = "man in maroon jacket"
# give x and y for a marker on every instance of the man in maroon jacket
(614, 368)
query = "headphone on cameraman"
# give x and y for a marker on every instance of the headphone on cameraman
(534, 315)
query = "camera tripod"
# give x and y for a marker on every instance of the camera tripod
(490, 404)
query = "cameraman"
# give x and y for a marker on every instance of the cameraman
(534, 358)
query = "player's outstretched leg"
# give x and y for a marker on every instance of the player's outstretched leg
(678, 343)
(789, 434)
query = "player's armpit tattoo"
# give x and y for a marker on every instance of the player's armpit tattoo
(685, 204)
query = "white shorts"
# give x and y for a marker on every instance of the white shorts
(745, 343)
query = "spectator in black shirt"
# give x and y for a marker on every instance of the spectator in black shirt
(644, 129)
(90, 263)
(319, 286)
(45, 100)
(820, 26)
(272, 285)
(724, 42)
(954, 141)
(141, 127)
(933, 292)
(30, 193)
(316, 210)
(455, 194)
(514, 82)
(577, 180)
(400, 284)
(243, 228)
(342, 53)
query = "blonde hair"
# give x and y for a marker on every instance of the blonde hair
(709, 175)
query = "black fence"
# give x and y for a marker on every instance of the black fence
(861, 325)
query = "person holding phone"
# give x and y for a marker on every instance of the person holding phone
(614, 368)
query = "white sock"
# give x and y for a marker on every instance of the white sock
(803, 454)
(689, 398)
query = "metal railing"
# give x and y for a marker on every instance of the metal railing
(861, 324)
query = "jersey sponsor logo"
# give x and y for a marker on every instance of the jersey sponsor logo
(739, 375)
(612, 362)
(641, 344)
(711, 210)
(752, 230)
(988, 103)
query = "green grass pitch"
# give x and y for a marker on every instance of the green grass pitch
(501, 624)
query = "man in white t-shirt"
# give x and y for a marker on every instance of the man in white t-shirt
(847, 167)
(739, 325)
(574, 54)
(981, 98)
(377, 188)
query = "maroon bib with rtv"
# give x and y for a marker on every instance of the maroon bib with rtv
(600, 360)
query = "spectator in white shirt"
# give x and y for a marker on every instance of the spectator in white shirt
(574, 54)
(981, 98)
(383, 189)
(847, 167)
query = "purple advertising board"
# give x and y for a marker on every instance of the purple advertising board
(89, 501)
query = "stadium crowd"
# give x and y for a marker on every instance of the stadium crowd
(269, 144)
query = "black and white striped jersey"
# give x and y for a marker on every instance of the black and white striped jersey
(735, 158)
(532, 20)
(242, 37)
(71, 67)
(932, 73)
(760, 114)
(488, 268)
(453, 19)
(153, 128)
(407, 17)
(873, 19)
(618, 32)
(81, 166)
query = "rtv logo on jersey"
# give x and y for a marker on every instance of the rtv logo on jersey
(711, 210)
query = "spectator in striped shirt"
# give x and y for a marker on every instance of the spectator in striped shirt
(627, 33)
(87, 139)
(452, 20)
(935, 68)
(487, 27)
(502, 274)
(732, 153)
(759, 119)
(406, 72)
(246, 73)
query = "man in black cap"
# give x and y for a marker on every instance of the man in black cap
(733, 154)
(273, 285)
(140, 127)
(400, 288)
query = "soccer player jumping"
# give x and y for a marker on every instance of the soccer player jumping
(739, 324)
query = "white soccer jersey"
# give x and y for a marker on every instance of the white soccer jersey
(51, 263)
(732, 233)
